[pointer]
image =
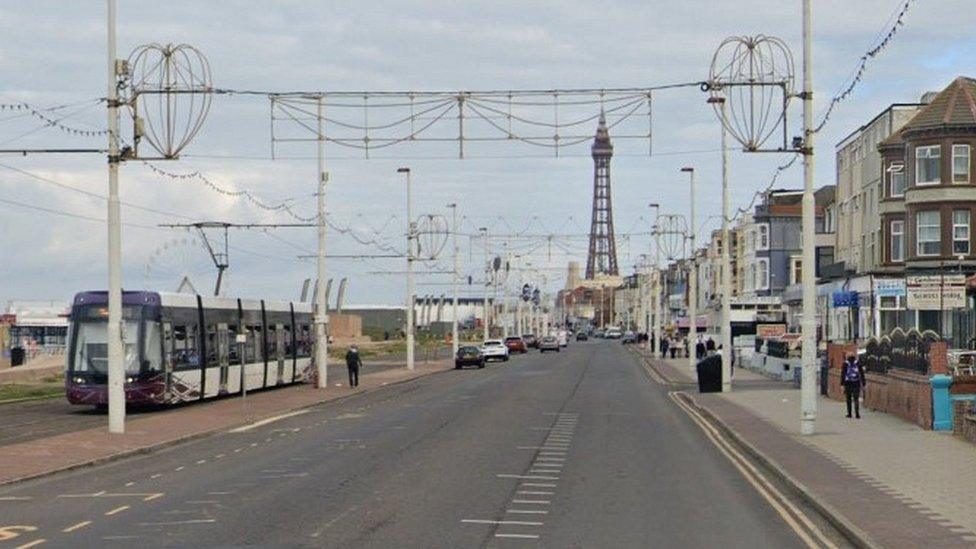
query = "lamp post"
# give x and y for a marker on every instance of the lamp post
(808, 390)
(411, 229)
(484, 308)
(692, 276)
(454, 280)
(655, 283)
(726, 262)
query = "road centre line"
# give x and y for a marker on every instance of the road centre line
(16, 498)
(157, 475)
(78, 526)
(529, 477)
(180, 468)
(532, 501)
(117, 510)
(527, 511)
(538, 484)
(266, 421)
(34, 543)
(178, 522)
(535, 493)
(518, 536)
(502, 522)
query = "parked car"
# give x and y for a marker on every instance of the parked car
(628, 337)
(494, 349)
(581, 336)
(613, 333)
(549, 343)
(469, 355)
(530, 340)
(598, 333)
(516, 344)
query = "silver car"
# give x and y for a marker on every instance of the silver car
(549, 343)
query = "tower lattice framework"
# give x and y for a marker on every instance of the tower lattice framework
(602, 256)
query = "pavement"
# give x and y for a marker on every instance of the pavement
(899, 485)
(575, 449)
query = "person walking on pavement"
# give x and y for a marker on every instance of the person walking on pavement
(700, 349)
(353, 362)
(665, 343)
(710, 345)
(852, 377)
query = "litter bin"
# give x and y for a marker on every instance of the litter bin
(16, 356)
(710, 374)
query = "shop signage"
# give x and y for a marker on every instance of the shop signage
(770, 331)
(936, 292)
(889, 287)
(845, 299)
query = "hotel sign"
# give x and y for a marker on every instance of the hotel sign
(936, 292)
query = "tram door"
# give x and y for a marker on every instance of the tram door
(168, 356)
(223, 355)
(280, 351)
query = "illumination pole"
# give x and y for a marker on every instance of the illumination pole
(726, 262)
(116, 356)
(411, 229)
(321, 305)
(808, 395)
(454, 281)
(692, 278)
(485, 301)
(655, 332)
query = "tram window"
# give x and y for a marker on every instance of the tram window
(253, 347)
(153, 359)
(304, 341)
(272, 342)
(289, 346)
(233, 353)
(211, 345)
(185, 352)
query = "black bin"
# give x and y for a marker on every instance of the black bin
(710, 374)
(16, 356)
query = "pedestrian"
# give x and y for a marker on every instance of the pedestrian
(710, 345)
(664, 347)
(353, 362)
(674, 348)
(852, 377)
(699, 349)
(685, 344)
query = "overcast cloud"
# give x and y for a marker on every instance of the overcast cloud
(53, 53)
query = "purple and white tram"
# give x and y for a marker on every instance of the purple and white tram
(185, 347)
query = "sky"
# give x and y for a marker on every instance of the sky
(54, 53)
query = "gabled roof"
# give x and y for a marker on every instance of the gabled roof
(953, 106)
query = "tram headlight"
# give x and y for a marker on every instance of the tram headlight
(78, 380)
(130, 379)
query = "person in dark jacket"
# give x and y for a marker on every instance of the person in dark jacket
(700, 349)
(709, 345)
(353, 362)
(852, 378)
(664, 347)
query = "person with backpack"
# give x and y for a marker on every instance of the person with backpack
(852, 378)
(353, 362)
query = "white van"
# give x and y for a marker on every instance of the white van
(563, 337)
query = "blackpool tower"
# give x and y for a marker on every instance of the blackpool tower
(602, 256)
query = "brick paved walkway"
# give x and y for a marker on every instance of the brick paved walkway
(42, 456)
(905, 487)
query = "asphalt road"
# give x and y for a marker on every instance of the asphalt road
(576, 449)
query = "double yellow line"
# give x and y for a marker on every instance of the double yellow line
(807, 531)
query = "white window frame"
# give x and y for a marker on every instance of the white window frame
(796, 261)
(927, 149)
(918, 233)
(896, 169)
(958, 225)
(897, 253)
(762, 273)
(960, 151)
(762, 236)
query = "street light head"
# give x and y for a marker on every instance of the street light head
(654, 205)
(688, 169)
(715, 100)
(403, 170)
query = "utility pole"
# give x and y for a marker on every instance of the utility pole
(692, 278)
(808, 395)
(321, 305)
(410, 259)
(508, 262)
(726, 262)
(656, 286)
(116, 366)
(454, 280)
(487, 273)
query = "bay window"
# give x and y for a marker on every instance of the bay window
(927, 160)
(960, 232)
(928, 233)
(897, 253)
(960, 163)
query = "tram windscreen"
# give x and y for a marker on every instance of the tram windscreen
(90, 342)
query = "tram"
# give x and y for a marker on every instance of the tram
(185, 347)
